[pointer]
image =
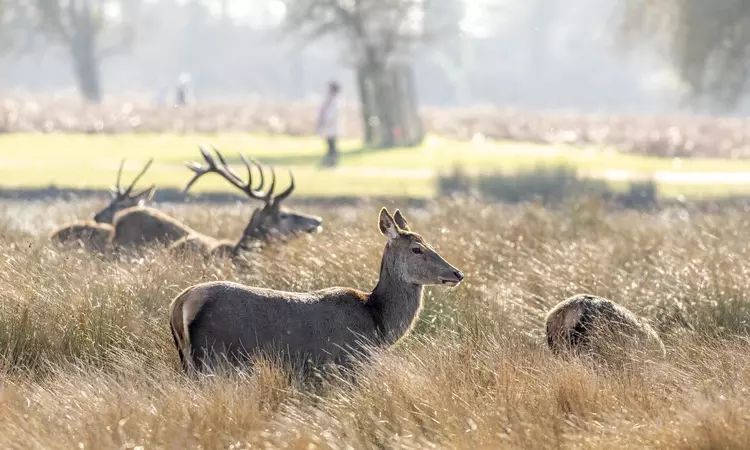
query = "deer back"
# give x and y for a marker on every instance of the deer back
(323, 325)
(92, 236)
(138, 226)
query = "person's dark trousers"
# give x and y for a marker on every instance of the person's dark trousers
(332, 152)
(332, 156)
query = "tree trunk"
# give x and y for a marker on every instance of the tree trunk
(413, 130)
(385, 100)
(297, 69)
(366, 104)
(86, 65)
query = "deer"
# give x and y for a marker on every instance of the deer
(141, 226)
(222, 319)
(583, 323)
(95, 234)
(270, 221)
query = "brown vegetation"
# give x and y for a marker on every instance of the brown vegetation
(657, 135)
(88, 360)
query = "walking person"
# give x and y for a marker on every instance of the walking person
(327, 124)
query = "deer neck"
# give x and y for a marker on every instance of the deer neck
(395, 303)
(252, 233)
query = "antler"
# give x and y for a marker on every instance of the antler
(222, 168)
(132, 185)
(118, 188)
(269, 197)
(281, 197)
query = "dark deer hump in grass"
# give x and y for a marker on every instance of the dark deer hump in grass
(583, 323)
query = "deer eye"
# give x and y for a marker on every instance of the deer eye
(417, 250)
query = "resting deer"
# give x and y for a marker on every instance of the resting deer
(140, 226)
(326, 326)
(95, 234)
(585, 323)
(269, 221)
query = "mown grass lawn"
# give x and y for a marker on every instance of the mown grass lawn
(65, 160)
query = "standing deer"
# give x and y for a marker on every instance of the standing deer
(95, 234)
(272, 220)
(325, 326)
(586, 323)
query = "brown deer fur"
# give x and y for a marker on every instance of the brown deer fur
(225, 319)
(90, 235)
(139, 226)
(575, 324)
(94, 235)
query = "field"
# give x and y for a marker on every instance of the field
(667, 136)
(87, 359)
(88, 362)
(91, 161)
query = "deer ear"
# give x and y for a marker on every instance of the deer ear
(387, 225)
(401, 220)
(145, 195)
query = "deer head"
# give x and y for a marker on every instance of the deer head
(410, 258)
(270, 220)
(122, 199)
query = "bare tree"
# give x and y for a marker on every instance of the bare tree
(91, 30)
(5, 25)
(379, 36)
(707, 42)
(16, 26)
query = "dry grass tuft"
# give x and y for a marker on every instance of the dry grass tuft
(87, 360)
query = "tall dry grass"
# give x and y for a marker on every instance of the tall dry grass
(87, 360)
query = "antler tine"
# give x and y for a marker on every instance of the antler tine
(248, 165)
(225, 167)
(262, 175)
(145, 168)
(200, 170)
(249, 171)
(288, 191)
(118, 189)
(207, 156)
(268, 198)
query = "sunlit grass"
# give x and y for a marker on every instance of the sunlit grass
(87, 361)
(90, 161)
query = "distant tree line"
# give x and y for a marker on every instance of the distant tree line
(396, 48)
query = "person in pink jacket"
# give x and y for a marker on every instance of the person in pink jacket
(327, 124)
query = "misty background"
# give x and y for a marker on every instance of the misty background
(531, 54)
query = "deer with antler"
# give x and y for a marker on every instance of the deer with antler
(95, 234)
(271, 220)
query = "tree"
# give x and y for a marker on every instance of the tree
(6, 20)
(91, 31)
(16, 24)
(379, 35)
(707, 43)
